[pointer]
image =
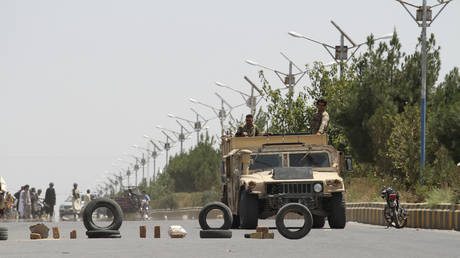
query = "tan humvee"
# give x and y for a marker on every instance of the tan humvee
(261, 174)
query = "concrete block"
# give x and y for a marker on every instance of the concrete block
(40, 229)
(268, 235)
(73, 234)
(156, 232)
(142, 231)
(56, 234)
(35, 236)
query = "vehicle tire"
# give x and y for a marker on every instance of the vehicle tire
(337, 216)
(228, 218)
(248, 210)
(215, 233)
(318, 221)
(4, 237)
(300, 209)
(3, 233)
(99, 203)
(3, 229)
(399, 218)
(236, 222)
(103, 234)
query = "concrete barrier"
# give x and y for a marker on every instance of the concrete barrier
(420, 215)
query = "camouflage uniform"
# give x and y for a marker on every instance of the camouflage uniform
(319, 122)
(251, 130)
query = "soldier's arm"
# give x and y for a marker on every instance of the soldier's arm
(239, 132)
(324, 122)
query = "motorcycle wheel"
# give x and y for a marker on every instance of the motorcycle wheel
(399, 218)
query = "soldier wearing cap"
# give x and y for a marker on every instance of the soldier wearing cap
(248, 129)
(320, 119)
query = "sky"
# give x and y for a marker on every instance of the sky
(83, 81)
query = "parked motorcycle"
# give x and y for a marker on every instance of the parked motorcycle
(394, 214)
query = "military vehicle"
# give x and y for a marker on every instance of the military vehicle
(262, 174)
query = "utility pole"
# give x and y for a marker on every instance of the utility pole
(424, 20)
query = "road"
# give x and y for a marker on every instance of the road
(357, 240)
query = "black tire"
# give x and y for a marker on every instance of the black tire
(3, 229)
(399, 218)
(3, 237)
(99, 203)
(228, 218)
(337, 217)
(318, 221)
(248, 210)
(236, 222)
(212, 233)
(295, 208)
(103, 234)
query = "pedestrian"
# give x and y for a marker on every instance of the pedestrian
(76, 201)
(249, 128)
(27, 204)
(19, 205)
(34, 202)
(50, 201)
(320, 119)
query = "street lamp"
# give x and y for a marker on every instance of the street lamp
(143, 161)
(251, 100)
(289, 79)
(221, 112)
(424, 20)
(155, 152)
(197, 125)
(179, 135)
(341, 51)
(128, 172)
(136, 166)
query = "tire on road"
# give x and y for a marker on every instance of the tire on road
(300, 209)
(215, 233)
(337, 217)
(102, 203)
(248, 210)
(228, 217)
(103, 233)
(318, 221)
(3, 233)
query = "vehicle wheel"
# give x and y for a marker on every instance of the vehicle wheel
(400, 219)
(318, 221)
(99, 203)
(248, 210)
(228, 218)
(236, 222)
(3, 233)
(337, 216)
(213, 233)
(103, 234)
(3, 229)
(300, 209)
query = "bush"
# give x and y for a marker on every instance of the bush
(440, 195)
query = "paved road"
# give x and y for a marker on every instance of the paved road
(357, 240)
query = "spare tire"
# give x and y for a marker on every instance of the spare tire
(3, 233)
(300, 209)
(103, 234)
(228, 217)
(215, 233)
(102, 203)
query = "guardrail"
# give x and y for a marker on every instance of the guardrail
(420, 215)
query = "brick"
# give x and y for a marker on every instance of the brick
(56, 234)
(262, 229)
(35, 236)
(257, 235)
(268, 235)
(156, 232)
(142, 231)
(73, 234)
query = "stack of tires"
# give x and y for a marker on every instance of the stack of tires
(221, 232)
(3, 233)
(110, 231)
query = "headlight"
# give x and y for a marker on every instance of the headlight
(317, 187)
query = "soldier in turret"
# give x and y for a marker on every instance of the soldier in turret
(320, 119)
(249, 128)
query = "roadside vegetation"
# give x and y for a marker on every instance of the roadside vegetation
(374, 111)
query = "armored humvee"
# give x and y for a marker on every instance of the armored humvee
(261, 174)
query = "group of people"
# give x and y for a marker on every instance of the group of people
(318, 126)
(27, 203)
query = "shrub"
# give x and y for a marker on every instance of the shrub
(440, 195)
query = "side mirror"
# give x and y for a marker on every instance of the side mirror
(348, 164)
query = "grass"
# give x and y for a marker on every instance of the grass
(441, 195)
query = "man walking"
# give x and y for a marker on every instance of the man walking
(320, 120)
(76, 201)
(50, 201)
(26, 202)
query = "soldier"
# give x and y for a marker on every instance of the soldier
(248, 129)
(320, 120)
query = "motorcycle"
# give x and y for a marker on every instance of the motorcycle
(144, 210)
(394, 214)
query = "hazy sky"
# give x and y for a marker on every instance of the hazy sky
(82, 81)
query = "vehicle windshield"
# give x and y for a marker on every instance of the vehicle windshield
(69, 199)
(264, 162)
(313, 159)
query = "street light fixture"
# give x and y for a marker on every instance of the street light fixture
(341, 51)
(143, 161)
(179, 135)
(154, 154)
(251, 100)
(423, 19)
(197, 125)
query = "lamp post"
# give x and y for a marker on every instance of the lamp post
(423, 19)
(179, 135)
(341, 51)
(128, 172)
(196, 125)
(143, 161)
(251, 100)
(154, 154)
